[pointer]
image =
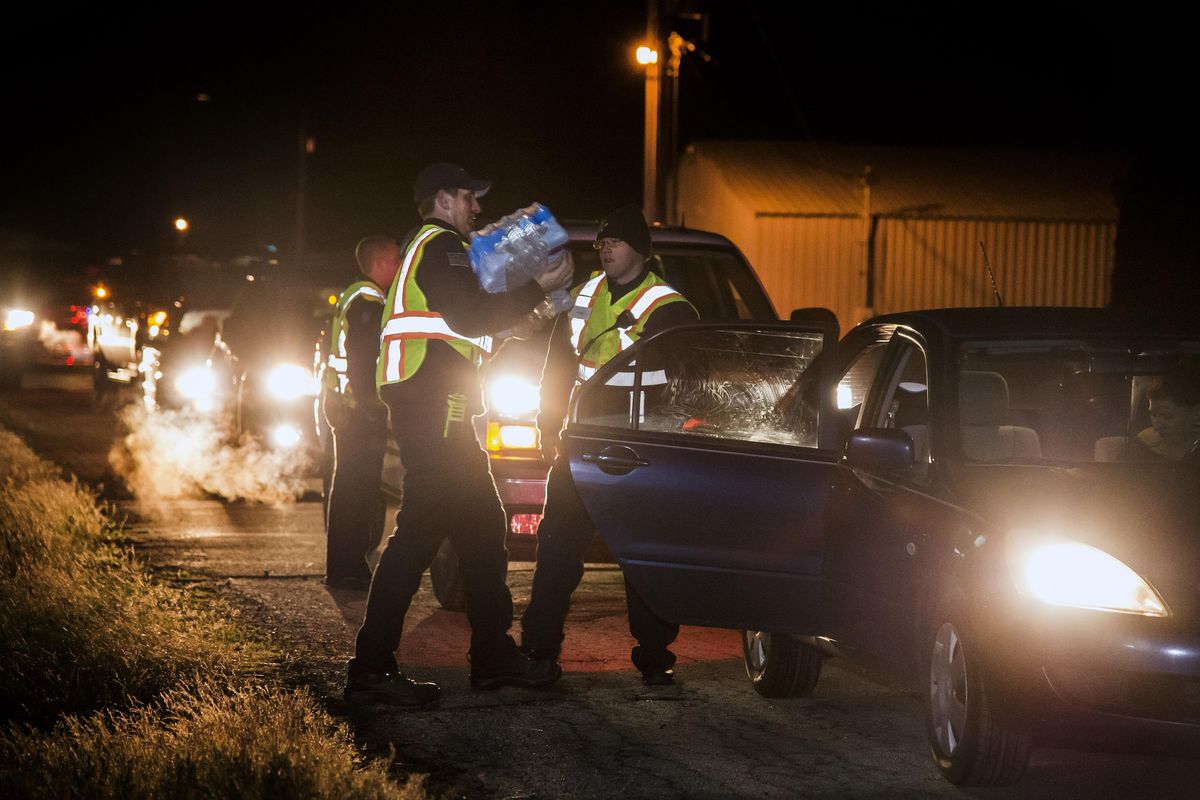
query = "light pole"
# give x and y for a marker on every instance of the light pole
(648, 58)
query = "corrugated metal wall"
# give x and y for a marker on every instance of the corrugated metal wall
(812, 261)
(819, 259)
(928, 263)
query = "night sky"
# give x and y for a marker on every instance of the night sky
(105, 141)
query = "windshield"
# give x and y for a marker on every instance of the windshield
(1079, 401)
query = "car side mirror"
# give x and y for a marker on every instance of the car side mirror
(880, 450)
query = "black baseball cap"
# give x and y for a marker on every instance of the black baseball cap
(442, 175)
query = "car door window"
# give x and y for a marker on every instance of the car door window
(750, 385)
(856, 383)
(905, 403)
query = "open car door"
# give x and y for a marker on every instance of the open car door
(704, 455)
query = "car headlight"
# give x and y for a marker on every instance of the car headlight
(290, 382)
(513, 397)
(197, 383)
(1062, 572)
(17, 318)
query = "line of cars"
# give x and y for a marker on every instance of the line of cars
(43, 323)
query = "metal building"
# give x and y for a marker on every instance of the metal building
(866, 230)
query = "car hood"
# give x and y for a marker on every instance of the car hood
(1147, 515)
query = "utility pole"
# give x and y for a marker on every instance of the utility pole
(648, 58)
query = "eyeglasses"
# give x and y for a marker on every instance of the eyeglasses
(611, 244)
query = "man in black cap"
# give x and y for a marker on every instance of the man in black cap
(436, 332)
(613, 309)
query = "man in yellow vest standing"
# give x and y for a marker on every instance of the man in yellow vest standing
(613, 309)
(356, 416)
(437, 324)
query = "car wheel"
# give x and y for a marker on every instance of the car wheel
(971, 747)
(780, 665)
(446, 576)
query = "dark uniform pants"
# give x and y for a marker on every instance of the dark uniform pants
(356, 504)
(564, 534)
(448, 493)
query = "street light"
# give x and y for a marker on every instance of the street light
(181, 225)
(646, 56)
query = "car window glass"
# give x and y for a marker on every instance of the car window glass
(857, 381)
(1060, 401)
(739, 385)
(905, 404)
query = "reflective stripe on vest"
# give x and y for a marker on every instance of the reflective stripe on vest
(593, 316)
(410, 323)
(334, 376)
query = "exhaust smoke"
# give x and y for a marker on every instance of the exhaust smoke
(169, 454)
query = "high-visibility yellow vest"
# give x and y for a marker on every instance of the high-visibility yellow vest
(333, 372)
(408, 323)
(595, 336)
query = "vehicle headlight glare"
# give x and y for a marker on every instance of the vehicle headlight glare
(285, 436)
(197, 383)
(1068, 573)
(17, 318)
(290, 381)
(513, 397)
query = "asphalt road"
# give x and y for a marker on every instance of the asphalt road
(597, 733)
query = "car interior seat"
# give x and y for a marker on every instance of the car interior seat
(983, 421)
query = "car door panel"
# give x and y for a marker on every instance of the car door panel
(714, 509)
(700, 528)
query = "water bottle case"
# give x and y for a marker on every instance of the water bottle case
(517, 248)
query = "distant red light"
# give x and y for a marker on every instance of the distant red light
(70, 361)
(525, 524)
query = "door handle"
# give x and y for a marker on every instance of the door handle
(615, 460)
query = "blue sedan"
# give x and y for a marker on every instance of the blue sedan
(976, 498)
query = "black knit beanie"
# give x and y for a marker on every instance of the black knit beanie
(628, 225)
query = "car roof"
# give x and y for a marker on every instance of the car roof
(585, 230)
(1042, 322)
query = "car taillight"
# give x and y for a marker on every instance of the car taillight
(501, 436)
(525, 524)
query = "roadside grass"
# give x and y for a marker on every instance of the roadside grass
(257, 743)
(115, 685)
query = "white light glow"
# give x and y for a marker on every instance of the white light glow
(17, 318)
(197, 384)
(290, 382)
(845, 398)
(513, 397)
(1067, 573)
(285, 436)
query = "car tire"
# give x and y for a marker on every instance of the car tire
(445, 573)
(780, 665)
(969, 744)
